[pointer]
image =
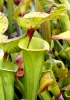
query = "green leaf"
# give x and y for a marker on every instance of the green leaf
(58, 12)
(9, 66)
(45, 81)
(3, 38)
(34, 19)
(3, 23)
(63, 36)
(10, 45)
(21, 8)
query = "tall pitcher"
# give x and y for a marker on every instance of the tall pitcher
(33, 57)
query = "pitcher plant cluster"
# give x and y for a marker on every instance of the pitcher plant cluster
(34, 49)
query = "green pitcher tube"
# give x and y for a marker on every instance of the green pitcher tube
(7, 76)
(33, 62)
(8, 84)
(2, 96)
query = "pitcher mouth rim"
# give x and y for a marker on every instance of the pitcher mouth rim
(34, 49)
(45, 48)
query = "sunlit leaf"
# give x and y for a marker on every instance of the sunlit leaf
(58, 13)
(3, 23)
(10, 45)
(49, 4)
(34, 19)
(45, 81)
(63, 36)
(21, 8)
(3, 38)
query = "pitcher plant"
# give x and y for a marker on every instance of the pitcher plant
(33, 48)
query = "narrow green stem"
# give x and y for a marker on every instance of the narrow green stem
(45, 31)
(59, 44)
(10, 12)
(16, 97)
(45, 27)
(1, 4)
(17, 28)
(19, 85)
(51, 46)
